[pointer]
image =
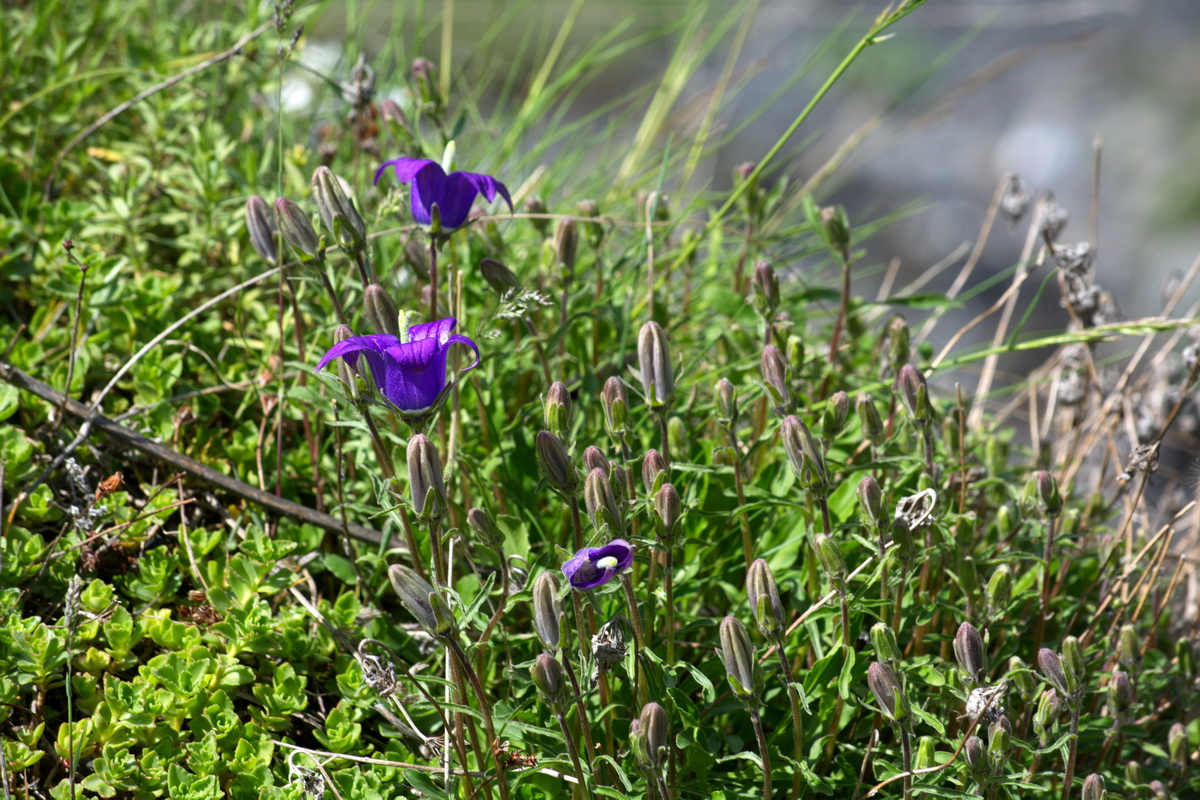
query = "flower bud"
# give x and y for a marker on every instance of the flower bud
(1120, 693)
(870, 500)
(915, 393)
(725, 403)
(391, 112)
(1045, 718)
(902, 537)
(834, 416)
(547, 611)
(968, 649)
(556, 465)
(615, 401)
(999, 590)
(548, 677)
(499, 277)
(653, 466)
(338, 214)
(347, 374)
(654, 358)
(764, 599)
(883, 639)
(1021, 677)
(975, 754)
(831, 560)
(557, 410)
(774, 375)
(1135, 775)
(889, 694)
(1072, 652)
(1047, 489)
(654, 725)
(601, 505)
(1177, 745)
(421, 600)
(802, 450)
(836, 227)
(481, 522)
(926, 756)
(999, 740)
(1158, 791)
(593, 224)
(794, 351)
(425, 478)
(566, 244)
(677, 435)
(593, 458)
(416, 256)
(1186, 656)
(766, 289)
(897, 341)
(381, 310)
(868, 418)
(737, 654)
(1093, 788)
(1129, 650)
(297, 230)
(1057, 672)
(667, 510)
(263, 230)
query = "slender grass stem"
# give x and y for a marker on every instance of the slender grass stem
(580, 711)
(763, 751)
(572, 751)
(485, 709)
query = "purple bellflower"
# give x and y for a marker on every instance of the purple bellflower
(453, 194)
(411, 374)
(595, 566)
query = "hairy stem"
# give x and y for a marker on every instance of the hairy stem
(797, 728)
(764, 752)
(572, 749)
(485, 709)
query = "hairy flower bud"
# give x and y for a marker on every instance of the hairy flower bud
(566, 244)
(975, 754)
(766, 289)
(667, 510)
(416, 256)
(1120, 693)
(485, 528)
(499, 277)
(653, 466)
(926, 756)
(1072, 653)
(1047, 488)
(897, 341)
(1129, 649)
(889, 694)
(725, 403)
(831, 560)
(870, 500)
(1045, 718)
(1057, 672)
(548, 677)
(654, 359)
(763, 595)
(557, 410)
(338, 214)
(547, 611)
(868, 418)
(263, 230)
(737, 654)
(615, 401)
(804, 454)
(915, 393)
(425, 478)
(297, 230)
(381, 310)
(1021, 677)
(677, 435)
(1185, 653)
(834, 415)
(968, 649)
(774, 375)
(1135, 774)
(999, 740)
(425, 603)
(999, 590)
(883, 639)
(601, 505)
(593, 225)
(793, 350)
(1177, 745)
(654, 737)
(836, 227)
(556, 465)
(1093, 788)
(593, 458)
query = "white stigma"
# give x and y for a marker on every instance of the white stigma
(608, 562)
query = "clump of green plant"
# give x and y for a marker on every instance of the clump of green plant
(601, 486)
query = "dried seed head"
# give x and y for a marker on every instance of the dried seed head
(421, 600)
(615, 400)
(381, 310)
(975, 753)
(1120, 692)
(1015, 200)
(831, 560)
(566, 244)
(915, 393)
(338, 215)
(548, 677)
(725, 403)
(766, 289)
(968, 649)
(557, 410)
(485, 528)
(1052, 219)
(986, 703)
(263, 230)
(499, 277)
(774, 375)
(889, 694)
(1093, 788)
(547, 611)
(737, 654)
(870, 500)
(868, 418)
(653, 466)
(834, 416)
(804, 454)
(601, 505)
(608, 649)
(667, 510)
(654, 359)
(556, 465)
(425, 478)
(763, 594)
(297, 230)
(883, 639)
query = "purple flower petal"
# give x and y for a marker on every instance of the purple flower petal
(439, 329)
(488, 186)
(619, 549)
(453, 194)
(347, 348)
(407, 168)
(460, 339)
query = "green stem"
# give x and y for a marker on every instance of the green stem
(1072, 750)
(906, 752)
(572, 751)
(797, 728)
(669, 586)
(764, 752)
(635, 620)
(743, 515)
(485, 709)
